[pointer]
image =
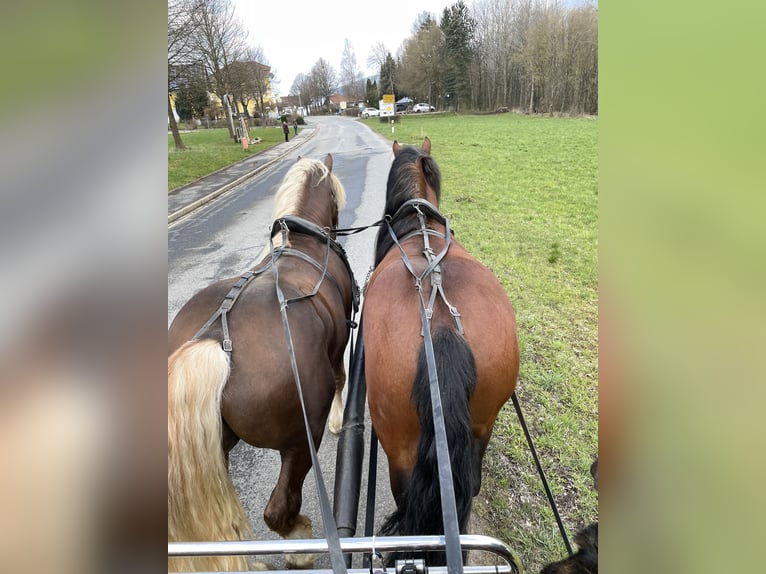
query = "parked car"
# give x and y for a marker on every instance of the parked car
(423, 107)
(370, 112)
(401, 107)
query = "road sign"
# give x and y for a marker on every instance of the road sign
(388, 98)
(386, 108)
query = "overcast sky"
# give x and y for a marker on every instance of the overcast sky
(294, 35)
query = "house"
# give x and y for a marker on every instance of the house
(339, 101)
(291, 105)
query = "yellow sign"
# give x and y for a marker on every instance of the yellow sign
(388, 98)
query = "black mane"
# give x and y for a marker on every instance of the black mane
(403, 185)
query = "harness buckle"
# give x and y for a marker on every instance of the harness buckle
(456, 318)
(227, 345)
(227, 302)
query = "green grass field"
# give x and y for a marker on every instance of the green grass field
(210, 150)
(522, 196)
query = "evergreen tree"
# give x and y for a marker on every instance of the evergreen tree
(388, 76)
(372, 96)
(458, 28)
(191, 100)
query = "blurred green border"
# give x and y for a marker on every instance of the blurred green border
(681, 190)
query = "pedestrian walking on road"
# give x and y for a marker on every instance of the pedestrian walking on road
(286, 129)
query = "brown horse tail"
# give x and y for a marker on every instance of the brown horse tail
(419, 508)
(202, 502)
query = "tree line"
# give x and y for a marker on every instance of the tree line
(539, 56)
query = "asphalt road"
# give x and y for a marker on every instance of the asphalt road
(224, 238)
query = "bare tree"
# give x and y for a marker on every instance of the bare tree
(251, 79)
(324, 82)
(351, 79)
(377, 58)
(220, 40)
(181, 55)
(535, 55)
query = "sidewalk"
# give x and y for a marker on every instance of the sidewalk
(192, 195)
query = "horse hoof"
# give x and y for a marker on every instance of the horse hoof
(299, 561)
(335, 426)
(302, 529)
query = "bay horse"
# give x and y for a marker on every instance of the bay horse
(473, 328)
(217, 398)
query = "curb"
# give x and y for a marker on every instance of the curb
(226, 187)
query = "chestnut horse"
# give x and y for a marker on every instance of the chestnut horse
(473, 329)
(216, 399)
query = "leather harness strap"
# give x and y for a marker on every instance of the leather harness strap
(433, 268)
(446, 485)
(285, 224)
(299, 225)
(328, 520)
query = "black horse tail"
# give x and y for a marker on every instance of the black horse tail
(419, 508)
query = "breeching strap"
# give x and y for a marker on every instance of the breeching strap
(330, 529)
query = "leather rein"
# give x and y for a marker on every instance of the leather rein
(284, 226)
(425, 209)
(451, 529)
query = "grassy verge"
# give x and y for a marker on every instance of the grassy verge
(210, 150)
(522, 196)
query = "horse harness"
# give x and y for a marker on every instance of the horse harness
(424, 208)
(285, 225)
(303, 226)
(452, 534)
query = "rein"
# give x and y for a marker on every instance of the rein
(303, 226)
(452, 533)
(446, 486)
(328, 520)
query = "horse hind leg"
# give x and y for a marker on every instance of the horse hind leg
(336, 410)
(282, 511)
